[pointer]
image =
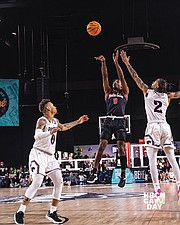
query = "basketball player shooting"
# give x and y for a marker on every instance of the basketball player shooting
(158, 132)
(42, 161)
(116, 100)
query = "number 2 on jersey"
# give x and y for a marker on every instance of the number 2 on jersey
(158, 106)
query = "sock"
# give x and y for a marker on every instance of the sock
(94, 170)
(156, 186)
(52, 208)
(123, 174)
(22, 208)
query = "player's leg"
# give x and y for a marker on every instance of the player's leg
(120, 136)
(93, 176)
(152, 155)
(102, 146)
(123, 161)
(153, 142)
(56, 177)
(172, 160)
(168, 147)
(104, 138)
(37, 180)
(37, 172)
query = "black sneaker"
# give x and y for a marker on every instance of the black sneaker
(122, 182)
(53, 217)
(19, 218)
(92, 178)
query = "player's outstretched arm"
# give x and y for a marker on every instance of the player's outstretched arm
(120, 73)
(104, 72)
(67, 126)
(133, 73)
(173, 95)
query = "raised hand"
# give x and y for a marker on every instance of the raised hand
(115, 56)
(83, 119)
(54, 130)
(101, 58)
(124, 57)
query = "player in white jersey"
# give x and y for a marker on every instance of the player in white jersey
(42, 160)
(158, 132)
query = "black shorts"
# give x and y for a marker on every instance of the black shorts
(116, 126)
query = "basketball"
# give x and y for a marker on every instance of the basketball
(93, 28)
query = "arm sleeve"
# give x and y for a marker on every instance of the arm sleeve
(39, 134)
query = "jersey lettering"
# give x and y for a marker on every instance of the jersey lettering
(52, 139)
(158, 106)
(115, 101)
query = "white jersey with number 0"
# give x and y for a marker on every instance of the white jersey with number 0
(156, 106)
(47, 144)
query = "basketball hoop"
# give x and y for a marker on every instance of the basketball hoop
(136, 43)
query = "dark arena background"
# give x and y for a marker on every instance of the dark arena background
(44, 44)
(46, 52)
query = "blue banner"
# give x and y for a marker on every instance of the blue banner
(9, 102)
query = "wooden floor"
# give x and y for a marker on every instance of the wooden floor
(96, 205)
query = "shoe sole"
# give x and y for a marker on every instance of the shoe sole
(121, 186)
(50, 219)
(16, 222)
(92, 182)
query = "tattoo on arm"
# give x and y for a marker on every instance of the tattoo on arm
(67, 126)
(41, 124)
(60, 126)
(136, 78)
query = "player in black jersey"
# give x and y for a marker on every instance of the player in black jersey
(116, 100)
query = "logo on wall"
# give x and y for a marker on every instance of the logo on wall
(4, 102)
(9, 102)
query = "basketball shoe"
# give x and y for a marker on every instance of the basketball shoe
(92, 178)
(122, 181)
(157, 193)
(53, 217)
(19, 218)
(159, 197)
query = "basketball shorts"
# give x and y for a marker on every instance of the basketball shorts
(41, 163)
(158, 135)
(114, 126)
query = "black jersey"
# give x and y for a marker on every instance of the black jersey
(116, 103)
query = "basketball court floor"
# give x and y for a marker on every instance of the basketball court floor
(97, 204)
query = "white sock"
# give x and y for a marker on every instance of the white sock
(156, 186)
(53, 208)
(22, 208)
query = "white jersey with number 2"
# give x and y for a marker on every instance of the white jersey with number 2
(156, 106)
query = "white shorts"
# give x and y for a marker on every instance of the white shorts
(42, 163)
(158, 135)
